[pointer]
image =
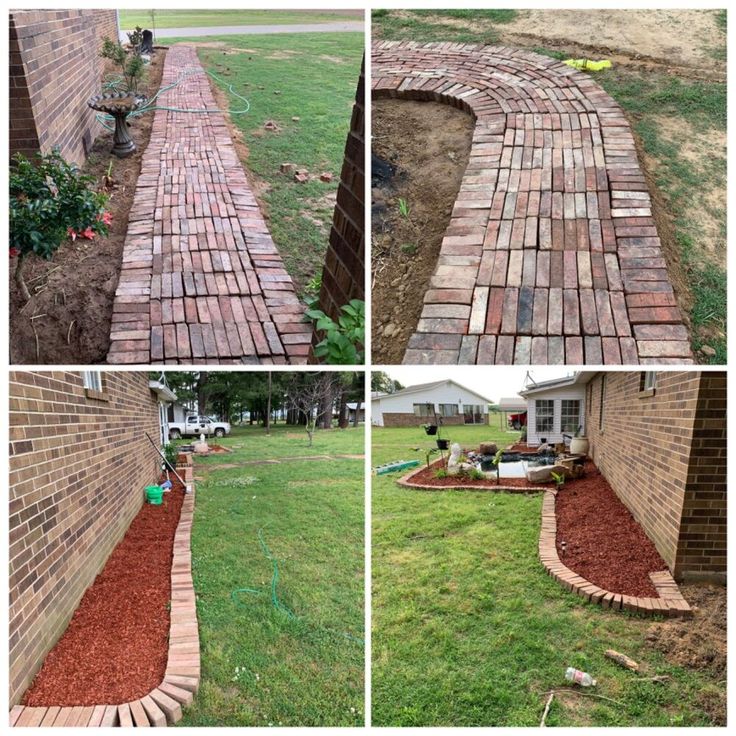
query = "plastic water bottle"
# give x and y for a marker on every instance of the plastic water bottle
(579, 678)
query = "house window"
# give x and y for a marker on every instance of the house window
(92, 380)
(570, 415)
(424, 410)
(545, 415)
(449, 410)
(601, 410)
(648, 381)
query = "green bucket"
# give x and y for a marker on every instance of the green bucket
(154, 495)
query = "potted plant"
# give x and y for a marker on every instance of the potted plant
(430, 428)
(443, 444)
(579, 444)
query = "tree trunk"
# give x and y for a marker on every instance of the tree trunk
(343, 417)
(202, 392)
(325, 410)
(356, 418)
(268, 407)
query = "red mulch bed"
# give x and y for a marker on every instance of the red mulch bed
(116, 645)
(605, 544)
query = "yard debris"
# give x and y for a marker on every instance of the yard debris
(301, 176)
(588, 65)
(580, 678)
(270, 125)
(622, 659)
(551, 697)
(296, 118)
(326, 177)
(708, 351)
(287, 168)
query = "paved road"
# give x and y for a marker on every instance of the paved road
(255, 30)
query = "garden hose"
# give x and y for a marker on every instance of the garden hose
(275, 601)
(113, 83)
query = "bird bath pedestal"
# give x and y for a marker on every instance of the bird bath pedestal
(119, 105)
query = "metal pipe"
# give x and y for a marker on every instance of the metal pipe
(166, 462)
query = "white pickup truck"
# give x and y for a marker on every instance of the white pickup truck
(194, 426)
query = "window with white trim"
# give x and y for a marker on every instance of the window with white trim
(649, 382)
(424, 410)
(92, 380)
(449, 410)
(544, 415)
(570, 415)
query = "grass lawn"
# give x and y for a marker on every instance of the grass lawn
(468, 629)
(259, 666)
(312, 77)
(681, 127)
(200, 18)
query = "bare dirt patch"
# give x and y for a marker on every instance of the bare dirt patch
(68, 318)
(699, 643)
(428, 143)
(673, 38)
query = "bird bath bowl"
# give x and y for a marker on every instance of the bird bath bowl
(119, 105)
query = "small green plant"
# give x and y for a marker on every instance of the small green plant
(135, 38)
(50, 200)
(441, 473)
(476, 474)
(404, 210)
(497, 464)
(131, 65)
(343, 340)
(171, 453)
(559, 479)
(409, 248)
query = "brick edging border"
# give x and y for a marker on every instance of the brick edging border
(670, 603)
(163, 705)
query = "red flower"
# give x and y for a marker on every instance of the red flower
(14, 252)
(89, 233)
(105, 217)
(71, 233)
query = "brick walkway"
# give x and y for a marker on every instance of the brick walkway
(201, 279)
(552, 253)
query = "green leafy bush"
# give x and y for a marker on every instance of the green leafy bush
(50, 200)
(131, 65)
(343, 340)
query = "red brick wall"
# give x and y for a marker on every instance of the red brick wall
(55, 68)
(648, 449)
(399, 419)
(78, 466)
(343, 275)
(702, 544)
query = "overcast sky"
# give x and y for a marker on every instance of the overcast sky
(493, 382)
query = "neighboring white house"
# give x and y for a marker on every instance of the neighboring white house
(416, 405)
(556, 408)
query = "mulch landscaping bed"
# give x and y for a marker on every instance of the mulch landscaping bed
(604, 543)
(115, 648)
(428, 477)
(72, 294)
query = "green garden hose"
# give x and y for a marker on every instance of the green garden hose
(113, 83)
(275, 601)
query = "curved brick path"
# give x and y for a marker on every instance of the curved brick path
(552, 253)
(201, 279)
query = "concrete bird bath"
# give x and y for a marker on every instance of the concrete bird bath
(119, 105)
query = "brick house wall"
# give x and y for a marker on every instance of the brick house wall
(79, 461)
(663, 452)
(400, 419)
(343, 275)
(55, 68)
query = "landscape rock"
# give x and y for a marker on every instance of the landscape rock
(325, 176)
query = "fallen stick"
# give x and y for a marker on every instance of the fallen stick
(590, 695)
(656, 678)
(551, 697)
(622, 659)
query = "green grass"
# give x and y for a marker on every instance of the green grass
(309, 76)
(302, 672)
(429, 25)
(468, 630)
(684, 183)
(200, 18)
